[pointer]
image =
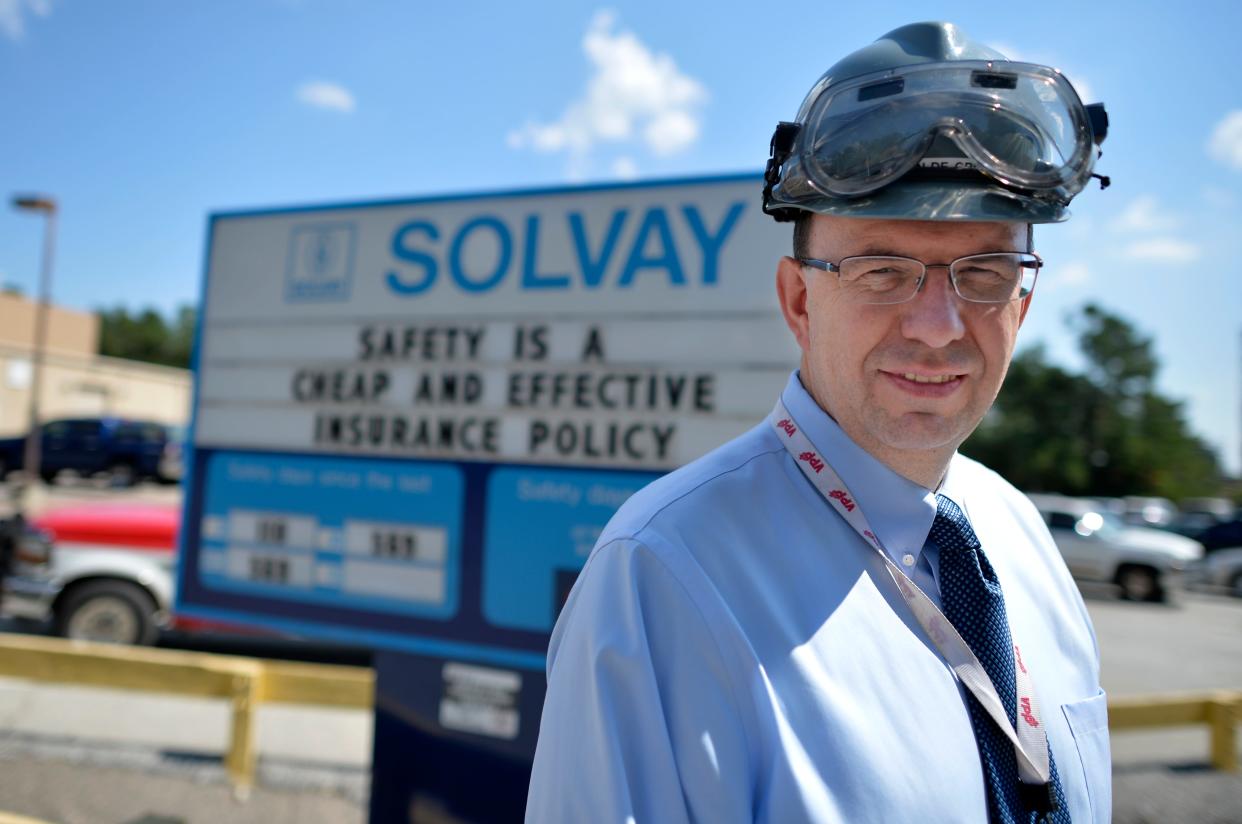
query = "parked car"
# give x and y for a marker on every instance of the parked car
(127, 450)
(1225, 535)
(1221, 570)
(1149, 512)
(172, 460)
(104, 572)
(1146, 564)
(1197, 515)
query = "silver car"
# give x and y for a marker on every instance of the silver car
(1145, 564)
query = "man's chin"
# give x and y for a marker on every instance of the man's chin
(920, 432)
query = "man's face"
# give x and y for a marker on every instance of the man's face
(868, 365)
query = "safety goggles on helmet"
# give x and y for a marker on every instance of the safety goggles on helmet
(1018, 124)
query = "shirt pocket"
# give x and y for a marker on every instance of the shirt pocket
(1088, 721)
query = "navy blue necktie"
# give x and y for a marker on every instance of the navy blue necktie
(972, 600)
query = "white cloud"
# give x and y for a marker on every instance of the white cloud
(1144, 215)
(625, 168)
(634, 94)
(1225, 144)
(330, 96)
(13, 15)
(1164, 250)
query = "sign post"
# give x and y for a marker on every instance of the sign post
(412, 419)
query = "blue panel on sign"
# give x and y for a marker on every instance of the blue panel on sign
(541, 522)
(369, 534)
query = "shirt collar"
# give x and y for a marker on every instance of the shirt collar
(899, 510)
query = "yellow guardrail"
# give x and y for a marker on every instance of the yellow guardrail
(1220, 710)
(244, 682)
(249, 682)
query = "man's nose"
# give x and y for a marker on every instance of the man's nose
(934, 316)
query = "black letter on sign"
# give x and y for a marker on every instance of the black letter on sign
(531, 344)
(594, 347)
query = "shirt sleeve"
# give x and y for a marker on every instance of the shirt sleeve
(640, 722)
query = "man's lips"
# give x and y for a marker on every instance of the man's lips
(924, 384)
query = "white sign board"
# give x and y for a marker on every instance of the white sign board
(624, 327)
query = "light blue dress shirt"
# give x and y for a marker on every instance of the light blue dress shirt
(733, 651)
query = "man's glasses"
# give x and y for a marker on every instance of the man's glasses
(994, 277)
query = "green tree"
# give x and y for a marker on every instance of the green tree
(1106, 432)
(147, 336)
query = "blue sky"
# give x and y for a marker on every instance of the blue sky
(143, 117)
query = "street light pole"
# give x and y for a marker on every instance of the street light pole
(32, 458)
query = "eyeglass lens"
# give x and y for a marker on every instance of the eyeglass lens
(990, 278)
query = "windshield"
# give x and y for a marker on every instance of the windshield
(1099, 523)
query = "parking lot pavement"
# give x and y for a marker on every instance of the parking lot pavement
(1179, 793)
(83, 754)
(1163, 775)
(69, 792)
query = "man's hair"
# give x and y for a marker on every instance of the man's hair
(802, 235)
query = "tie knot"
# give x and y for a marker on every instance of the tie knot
(951, 529)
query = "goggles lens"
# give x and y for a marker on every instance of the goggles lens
(1020, 123)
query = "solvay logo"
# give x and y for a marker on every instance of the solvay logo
(320, 265)
(1027, 715)
(840, 495)
(583, 249)
(812, 460)
(786, 426)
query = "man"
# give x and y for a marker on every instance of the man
(836, 617)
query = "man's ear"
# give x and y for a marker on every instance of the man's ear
(791, 292)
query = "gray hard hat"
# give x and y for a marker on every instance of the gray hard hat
(927, 124)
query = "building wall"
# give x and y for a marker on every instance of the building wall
(69, 331)
(77, 382)
(84, 387)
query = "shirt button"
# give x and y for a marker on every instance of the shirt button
(907, 559)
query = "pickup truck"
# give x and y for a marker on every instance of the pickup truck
(97, 572)
(127, 450)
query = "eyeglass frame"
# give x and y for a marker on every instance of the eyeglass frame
(835, 268)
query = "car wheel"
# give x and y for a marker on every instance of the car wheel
(1139, 583)
(48, 475)
(114, 612)
(122, 474)
(1235, 585)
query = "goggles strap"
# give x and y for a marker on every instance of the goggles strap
(779, 150)
(1098, 119)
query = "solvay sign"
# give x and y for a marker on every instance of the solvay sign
(412, 418)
